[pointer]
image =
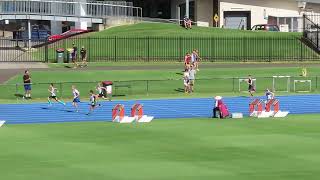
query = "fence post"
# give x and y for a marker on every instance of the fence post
(180, 48)
(244, 40)
(270, 48)
(147, 87)
(233, 84)
(88, 49)
(46, 57)
(115, 48)
(212, 50)
(148, 49)
(301, 50)
(61, 90)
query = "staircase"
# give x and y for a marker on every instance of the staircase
(311, 31)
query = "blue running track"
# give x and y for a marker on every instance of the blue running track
(160, 109)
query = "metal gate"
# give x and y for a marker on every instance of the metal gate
(18, 50)
(237, 20)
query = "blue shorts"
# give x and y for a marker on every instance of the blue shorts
(27, 87)
(76, 100)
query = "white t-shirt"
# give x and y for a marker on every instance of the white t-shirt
(99, 90)
(192, 73)
(109, 89)
(53, 91)
(75, 93)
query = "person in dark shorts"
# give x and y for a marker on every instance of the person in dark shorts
(100, 89)
(27, 84)
(83, 56)
(93, 102)
(251, 88)
(74, 54)
(53, 95)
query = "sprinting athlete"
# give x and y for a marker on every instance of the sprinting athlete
(100, 90)
(53, 95)
(251, 88)
(269, 95)
(93, 102)
(76, 97)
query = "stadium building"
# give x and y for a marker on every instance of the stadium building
(247, 13)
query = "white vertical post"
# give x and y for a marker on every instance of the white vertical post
(178, 14)
(187, 8)
(29, 34)
(81, 11)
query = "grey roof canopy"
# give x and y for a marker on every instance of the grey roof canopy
(310, 1)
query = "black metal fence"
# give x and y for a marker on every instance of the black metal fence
(23, 50)
(311, 30)
(234, 49)
(288, 48)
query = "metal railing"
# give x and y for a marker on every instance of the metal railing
(77, 8)
(311, 30)
(165, 87)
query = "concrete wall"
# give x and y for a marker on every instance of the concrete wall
(174, 6)
(204, 11)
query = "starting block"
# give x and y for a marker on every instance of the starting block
(2, 123)
(256, 109)
(138, 114)
(118, 115)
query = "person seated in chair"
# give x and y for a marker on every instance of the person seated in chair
(220, 107)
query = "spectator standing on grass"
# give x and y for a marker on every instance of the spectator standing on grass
(83, 56)
(192, 77)
(27, 84)
(197, 61)
(251, 88)
(186, 81)
(187, 61)
(74, 54)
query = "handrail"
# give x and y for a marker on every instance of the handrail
(68, 8)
